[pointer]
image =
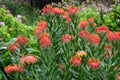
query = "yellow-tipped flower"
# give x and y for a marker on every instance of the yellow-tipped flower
(81, 53)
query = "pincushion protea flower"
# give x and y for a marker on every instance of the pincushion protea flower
(94, 39)
(66, 13)
(41, 26)
(28, 59)
(76, 60)
(72, 10)
(66, 38)
(117, 36)
(45, 40)
(47, 9)
(113, 36)
(12, 47)
(57, 11)
(110, 36)
(37, 31)
(81, 53)
(21, 40)
(93, 63)
(84, 34)
(102, 29)
(91, 20)
(12, 69)
(83, 24)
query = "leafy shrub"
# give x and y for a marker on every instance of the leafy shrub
(112, 19)
(12, 27)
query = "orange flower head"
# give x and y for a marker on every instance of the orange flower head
(66, 13)
(93, 63)
(118, 77)
(94, 39)
(12, 69)
(57, 11)
(45, 40)
(102, 29)
(81, 53)
(84, 34)
(76, 61)
(91, 20)
(67, 18)
(72, 10)
(83, 24)
(47, 9)
(66, 38)
(21, 40)
(110, 36)
(28, 59)
(117, 36)
(12, 47)
(37, 31)
(94, 24)
(42, 24)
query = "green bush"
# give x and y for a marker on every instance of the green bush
(112, 19)
(12, 27)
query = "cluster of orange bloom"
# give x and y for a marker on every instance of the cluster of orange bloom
(13, 47)
(28, 59)
(94, 38)
(21, 41)
(41, 27)
(45, 40)
(76, 60)
(93, 63)
(13, 68)
(84, 34)
(66, 38)
(58, 11)
(113, 36)
(39, 32)
(24, 60)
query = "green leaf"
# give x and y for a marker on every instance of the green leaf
(12, 41)
(0, 76)
(6, 54)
